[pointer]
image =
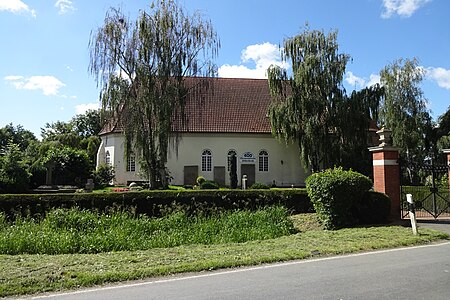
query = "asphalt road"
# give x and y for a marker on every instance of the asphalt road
(408, 273)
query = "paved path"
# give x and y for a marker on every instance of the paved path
(409, 273)
(439, 224)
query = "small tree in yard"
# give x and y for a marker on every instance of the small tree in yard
(233, 171)
(141, 66)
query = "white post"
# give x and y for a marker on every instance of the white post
(244, 182)
(412, 213)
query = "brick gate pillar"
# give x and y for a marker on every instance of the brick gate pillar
(386, 171)
(447, 151)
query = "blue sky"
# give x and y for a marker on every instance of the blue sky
(44, 46)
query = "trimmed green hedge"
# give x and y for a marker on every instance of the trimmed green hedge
(333, 193)
(209, 185)
(259, 186)
(156, 203)
(372, 208)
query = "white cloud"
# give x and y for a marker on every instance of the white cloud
(49, 85)
(64, 6)
(241, 72)
(16, 6)
(373, 79)
(82, 108)
(440, 75)
(403, 8)
(261, 55)
(353, 80)
(360, 82)
(13, 77)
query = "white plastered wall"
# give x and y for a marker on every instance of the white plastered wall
(114, 143)
(284, 164)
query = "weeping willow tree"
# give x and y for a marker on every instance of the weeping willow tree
(141, 66)
(310, 105)
(404, 110)
(354, 116)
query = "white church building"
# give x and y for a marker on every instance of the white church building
(230, 117)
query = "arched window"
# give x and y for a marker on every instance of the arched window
(230, 154)
(131, 163)
(263, 161)
(206, 161)
(107, 158)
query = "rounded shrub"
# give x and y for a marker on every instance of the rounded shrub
(259, 186)
(372, 208)
(209, 185)
(200, 180)
(333, 193)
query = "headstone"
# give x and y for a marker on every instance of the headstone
(89, 185)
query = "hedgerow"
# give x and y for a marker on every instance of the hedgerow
(154, 203)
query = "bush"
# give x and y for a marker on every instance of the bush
(209, 185)
(333, 193)
(372, 208)
(200, 180)
(103, 175)
(259, 186)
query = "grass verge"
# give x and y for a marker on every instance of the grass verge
(69, 231)
(26, 274)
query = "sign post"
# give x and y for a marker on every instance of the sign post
(412, 213)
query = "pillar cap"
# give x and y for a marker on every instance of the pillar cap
(383, 148)
(446, 151)
(385, 141)
(385, 136)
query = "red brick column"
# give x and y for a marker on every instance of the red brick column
(386, 176)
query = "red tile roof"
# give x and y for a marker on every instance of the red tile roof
(228, 105)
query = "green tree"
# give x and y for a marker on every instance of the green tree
(70, 166)
(62, 132)
(404, 109)
(88, 124)
(233, 171)
(442, 131)
(81, 132)
(16, 135)
(353, 118)
(311, 107)
(141, 68)
(14, 175)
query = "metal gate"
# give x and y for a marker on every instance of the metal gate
(428, 183)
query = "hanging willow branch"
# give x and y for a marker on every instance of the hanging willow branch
(140, 68)
(311, 107)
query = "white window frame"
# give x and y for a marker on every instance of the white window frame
(206, 160)
(131, 163)
(108, 158)
(263, 161)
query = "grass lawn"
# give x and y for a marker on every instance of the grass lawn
(26, 274)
